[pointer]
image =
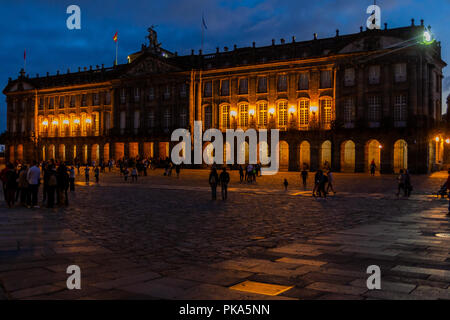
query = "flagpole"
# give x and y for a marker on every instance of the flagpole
(117, 46)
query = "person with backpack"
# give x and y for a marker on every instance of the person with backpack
(224, 180)
(213, 181)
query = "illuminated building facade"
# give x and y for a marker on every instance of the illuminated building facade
(343, 101)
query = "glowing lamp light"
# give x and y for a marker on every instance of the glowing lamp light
(271, 110)
(313, 109)
(55, 122)
(233, 113)
(291, 110)
(437, 139)
(251, 112)
(45, 123)
(428, 37)
(447, 141)
(76, 121)
(88, 120)
(380, 146)
(66, 122)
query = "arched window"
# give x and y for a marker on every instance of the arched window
(243, 115)
(282, 114)
(262, 114)
(326, 109)
(303, 112)
(225, 117)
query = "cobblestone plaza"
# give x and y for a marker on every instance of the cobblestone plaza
(163, 238)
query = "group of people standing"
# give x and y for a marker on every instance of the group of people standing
(21, 183)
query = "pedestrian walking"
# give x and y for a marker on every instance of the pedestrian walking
(241, 174)
(330, 178)
(125, 174)
(213, 181)
(224, 180)
(304, 175)
(22, 190)
(285, 183)
(86, 174)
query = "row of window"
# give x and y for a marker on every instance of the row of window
(93, 99)
(166, 119)
(374, 109)
(262, 84)
(374, 74)
(280, 117)
(149, 93)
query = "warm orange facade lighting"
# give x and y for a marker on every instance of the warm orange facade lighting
(66, 122)
(88, 120)
(271, 110)
(45, 123)
(55, 122)
(76, 121)
(313, 109)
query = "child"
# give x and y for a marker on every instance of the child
(285, 184)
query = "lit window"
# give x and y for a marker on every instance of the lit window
(303, 108)
(282, 114)
(326, 108)
(243, 115)
(225, 118)
(262, 107)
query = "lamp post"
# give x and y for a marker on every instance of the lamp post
(313, 110)
(233, 114)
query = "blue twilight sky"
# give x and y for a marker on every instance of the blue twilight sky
(39, 26)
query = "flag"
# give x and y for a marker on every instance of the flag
(204, 23)
(115, 37)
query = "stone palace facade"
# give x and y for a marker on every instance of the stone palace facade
(342, 101)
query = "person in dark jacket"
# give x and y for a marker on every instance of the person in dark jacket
(11, 185)
(213, 182)
(224, 180)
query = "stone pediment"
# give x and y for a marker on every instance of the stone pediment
(19, 85)
(149, 64)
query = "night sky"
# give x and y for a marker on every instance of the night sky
(40, 28)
